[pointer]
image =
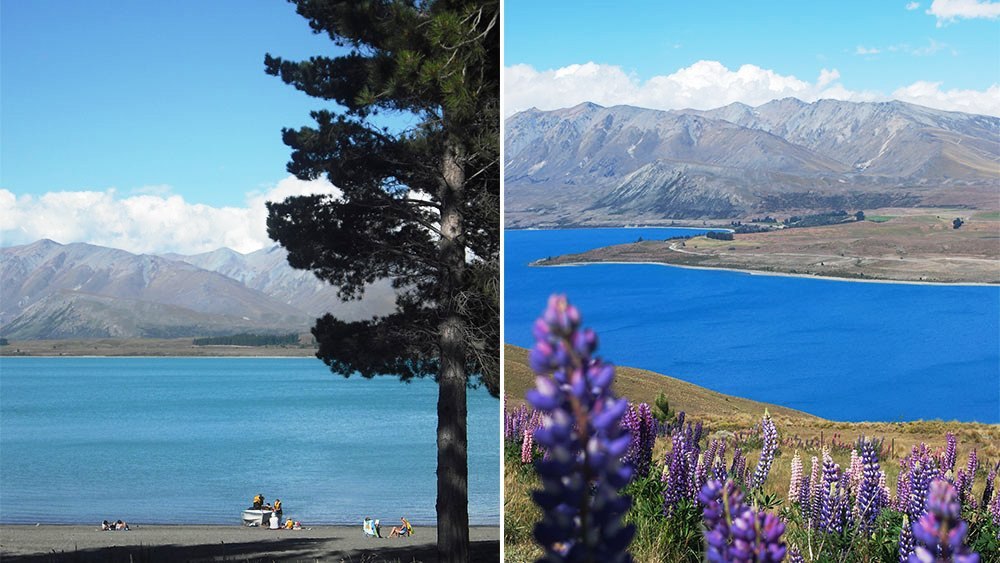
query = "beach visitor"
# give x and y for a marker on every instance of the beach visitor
(120, 525)
(258, 501)
(289, 524)
(106, 526)
(274, 521)
(277, 508)
(401, 531)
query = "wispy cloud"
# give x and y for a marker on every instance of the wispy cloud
(913, 5)
(947, 11)
(861, 50)
(145, 222)
(710, 84)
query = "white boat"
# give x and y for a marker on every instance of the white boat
(256, 517)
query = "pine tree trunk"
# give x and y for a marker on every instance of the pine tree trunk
(452, 439)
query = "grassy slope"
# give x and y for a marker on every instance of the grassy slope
(723, 412)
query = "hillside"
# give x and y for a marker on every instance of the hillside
(912, 245)
(592, 166)
(725, 412)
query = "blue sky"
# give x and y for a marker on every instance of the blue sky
(143, 95)
(869, 50)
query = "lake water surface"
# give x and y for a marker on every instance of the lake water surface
(838, 349)
(191, 440)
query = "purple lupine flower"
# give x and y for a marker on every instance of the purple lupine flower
(950, 453)
(757, 538)
(795, 482)
(828, 500)
(639, 421)
(920, 479)
(905, 540)
(734, 532)
(769, 435)
(869, 491)
(994, 510)
(722, 503)
(940, 532)
(738, 470)
(795, 556)
(680, 464)
(527, 448)
(988, 489)
(581, 473)
(965, 480)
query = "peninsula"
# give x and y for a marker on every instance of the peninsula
(893, 244)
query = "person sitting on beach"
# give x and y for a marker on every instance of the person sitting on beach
(106, 526)
(120, 525)
(258, 501)
(401, 531)
(289, 524)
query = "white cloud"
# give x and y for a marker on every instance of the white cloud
(930, 94)
(947, 11)
(709, 84)
(866, 51)
(145, 220)
(913, 5)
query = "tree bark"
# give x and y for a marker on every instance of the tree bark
(452, 438)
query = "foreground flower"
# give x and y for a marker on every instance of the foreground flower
(940, 532)
(584, 441)
(734, 532)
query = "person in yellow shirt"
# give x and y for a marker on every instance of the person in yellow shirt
(258, 501)
(277, 508)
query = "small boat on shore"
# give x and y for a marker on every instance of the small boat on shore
(256, 517)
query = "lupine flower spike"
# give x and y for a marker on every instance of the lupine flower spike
(584, 442)
(940, 532)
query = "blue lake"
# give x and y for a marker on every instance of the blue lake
(191, 440)
(838, 349)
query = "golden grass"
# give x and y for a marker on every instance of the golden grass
(722, 412)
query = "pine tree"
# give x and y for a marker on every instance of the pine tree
(419, 206)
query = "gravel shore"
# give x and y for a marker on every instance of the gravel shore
(156, 543)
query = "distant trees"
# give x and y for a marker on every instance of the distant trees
(246, 339)
(957, 223)
(719, 235)
(859, 216)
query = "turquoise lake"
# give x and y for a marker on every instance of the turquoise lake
(839, 349)
(191, 440)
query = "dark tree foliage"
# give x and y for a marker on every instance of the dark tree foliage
(957, 223)
(247, 339)
(419, 206)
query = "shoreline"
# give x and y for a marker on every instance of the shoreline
(171, 542)
(776, 274)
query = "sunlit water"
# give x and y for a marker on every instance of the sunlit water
(838, 349)
(191, 440)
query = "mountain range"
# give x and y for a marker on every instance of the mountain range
(51, 290)
(591, 165)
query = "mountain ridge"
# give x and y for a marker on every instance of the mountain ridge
(79, 290)
(589, 164)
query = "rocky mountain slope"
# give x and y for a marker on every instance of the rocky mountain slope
(79, 290)
(594, 165)
(267, 271)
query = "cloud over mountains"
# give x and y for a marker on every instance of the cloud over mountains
(710, 84)
(146, 220)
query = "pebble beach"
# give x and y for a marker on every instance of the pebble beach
(156, 543)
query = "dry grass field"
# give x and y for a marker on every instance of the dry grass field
(911, 245)
(721, 413)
